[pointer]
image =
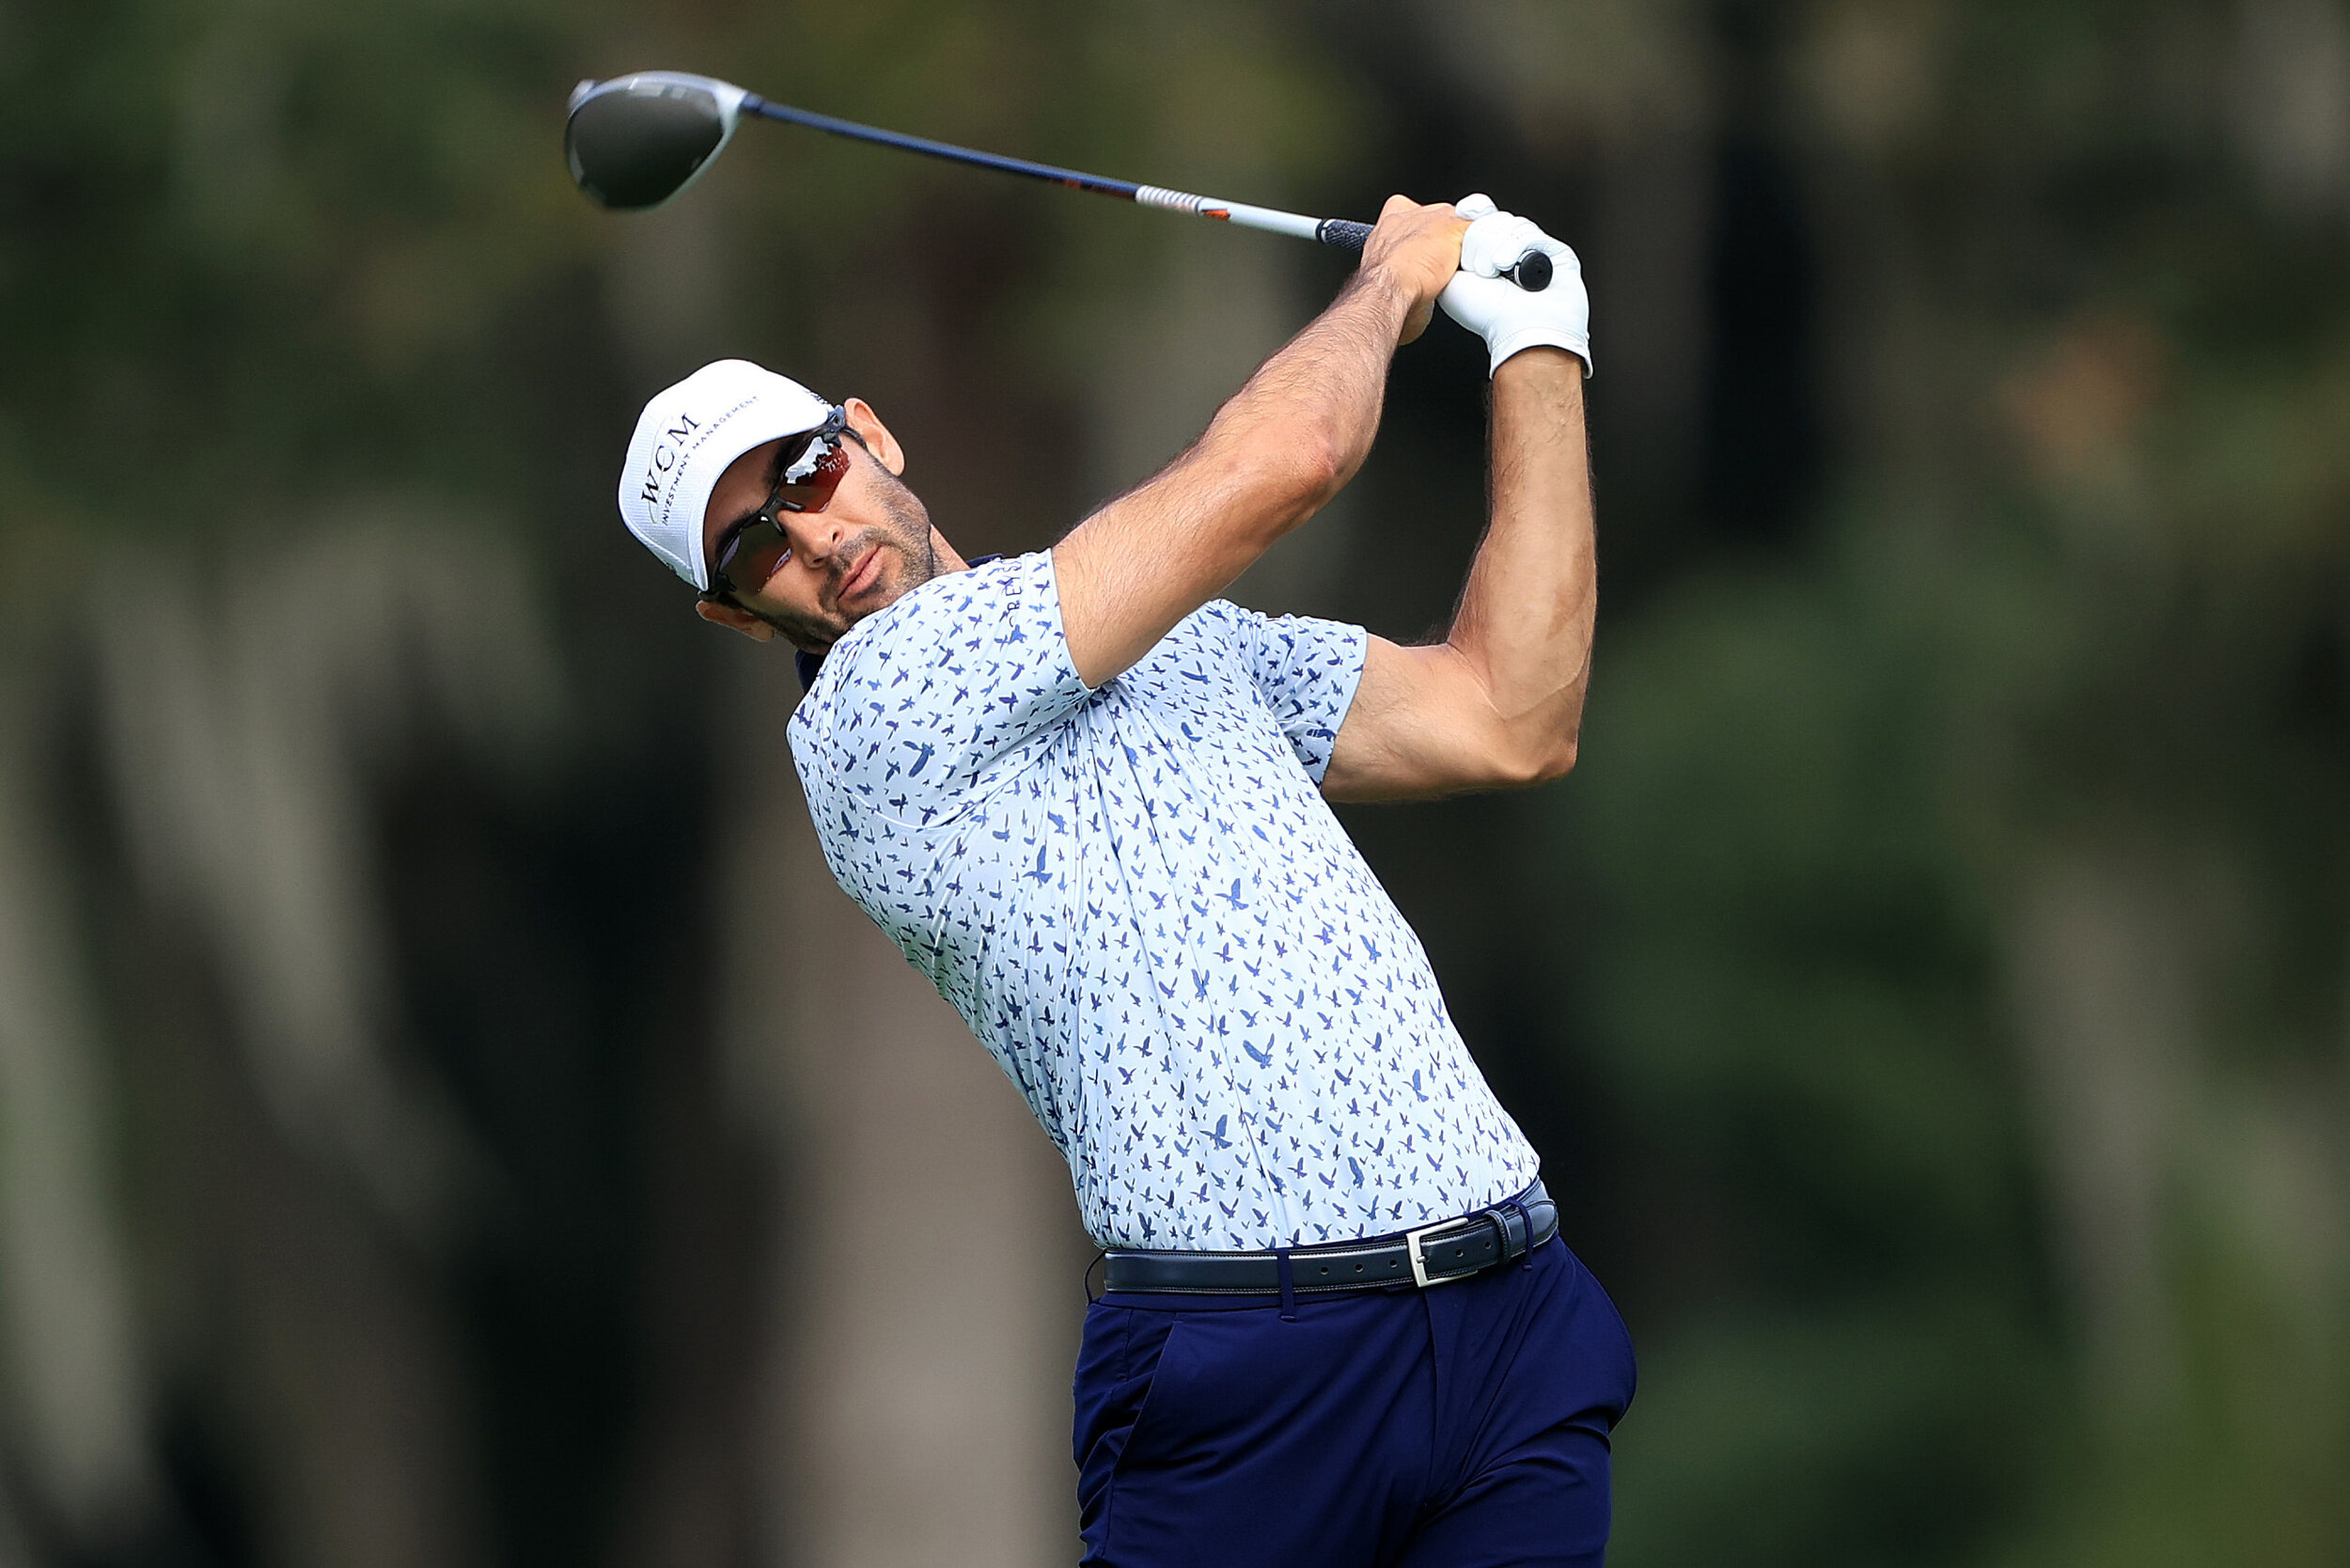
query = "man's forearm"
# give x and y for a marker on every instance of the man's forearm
(1321, 392)
(1527, 617)
(1272, 456)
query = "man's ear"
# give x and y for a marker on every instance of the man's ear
(875, 434)
(719, 613)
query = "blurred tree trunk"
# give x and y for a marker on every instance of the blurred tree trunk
(925, 1266)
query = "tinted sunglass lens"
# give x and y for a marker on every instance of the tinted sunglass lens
(811, 491)
(756, 551)
(753, 556)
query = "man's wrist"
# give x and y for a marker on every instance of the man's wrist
(1540, 362)
(1386, 294)
(1512, 343)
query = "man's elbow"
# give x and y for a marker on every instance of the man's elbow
(1262, 492)
(1557, 763)
(1308, 474)
(1525, 764)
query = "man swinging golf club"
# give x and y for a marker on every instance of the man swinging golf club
(1087, 797)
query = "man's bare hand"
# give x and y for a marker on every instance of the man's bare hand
(1418, 249)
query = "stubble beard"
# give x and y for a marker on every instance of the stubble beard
(907, 532)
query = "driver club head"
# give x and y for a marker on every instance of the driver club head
(634, 142)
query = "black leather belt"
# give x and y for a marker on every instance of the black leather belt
(1434, 1254)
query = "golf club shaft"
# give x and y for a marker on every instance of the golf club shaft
(1340, 232)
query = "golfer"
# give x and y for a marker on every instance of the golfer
(1088, 799)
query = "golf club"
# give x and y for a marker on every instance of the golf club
(635, 141)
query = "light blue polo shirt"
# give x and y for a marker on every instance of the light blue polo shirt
(1139, 901)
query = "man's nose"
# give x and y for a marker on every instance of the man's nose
(815, 536)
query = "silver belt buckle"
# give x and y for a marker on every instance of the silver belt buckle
(1419, 1260)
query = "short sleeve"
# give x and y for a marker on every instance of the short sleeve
(919, 700)
(1306, 670)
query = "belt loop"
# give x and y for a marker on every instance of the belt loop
(1289, 1285)
(1525, 1217)
(1086, 1280)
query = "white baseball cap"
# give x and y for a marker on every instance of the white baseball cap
(685, 440)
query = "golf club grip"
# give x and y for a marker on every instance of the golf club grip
(1343, 233)
(1532, 273)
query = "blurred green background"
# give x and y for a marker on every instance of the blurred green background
(1928, 993)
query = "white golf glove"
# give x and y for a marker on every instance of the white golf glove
(1507, 316)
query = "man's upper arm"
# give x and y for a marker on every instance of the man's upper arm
(1132, 570)
(1306, 670)
(1424, 724)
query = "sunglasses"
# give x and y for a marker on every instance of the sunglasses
(808, 470)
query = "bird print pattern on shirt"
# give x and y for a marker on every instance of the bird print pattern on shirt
(1139, 901)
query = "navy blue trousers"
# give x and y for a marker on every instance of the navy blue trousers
(1459, 1427)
